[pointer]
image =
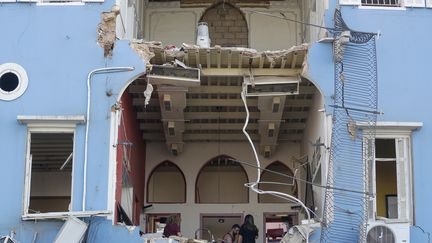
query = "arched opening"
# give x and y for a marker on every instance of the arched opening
(189, 123)
(227, 25)
(221, 180)
(166, 184)
(287, 183)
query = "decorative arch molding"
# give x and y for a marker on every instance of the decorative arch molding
(227, 25)
(161, 190)
(267, 176)
(221, 180)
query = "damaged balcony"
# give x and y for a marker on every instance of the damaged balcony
(214, 111)
(190, 119)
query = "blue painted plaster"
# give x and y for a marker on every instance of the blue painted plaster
(57, 46)
(404, 87)
(403, 54)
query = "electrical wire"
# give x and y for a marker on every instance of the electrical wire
(290, 20)
(253, 185)
(302, 180)
(301, 22)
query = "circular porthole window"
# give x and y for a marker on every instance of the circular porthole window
(13, 81)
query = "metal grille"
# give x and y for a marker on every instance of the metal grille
(384, 3)
(355, 101)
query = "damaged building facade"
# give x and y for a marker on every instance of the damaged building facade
(118, 114)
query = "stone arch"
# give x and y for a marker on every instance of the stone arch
(166, 184)
(221, 180)
(227, 25)
(267, 176)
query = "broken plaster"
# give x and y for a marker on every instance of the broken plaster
(143, 49)
(107, 30)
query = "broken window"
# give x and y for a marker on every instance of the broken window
(49, 171)
(390, 178)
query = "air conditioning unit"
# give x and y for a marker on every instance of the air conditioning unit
(176, 76)
(271, 86)
(388, 232)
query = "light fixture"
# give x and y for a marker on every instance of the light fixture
(174, 149)
(276, 104)
(267, 151)
(271, 129)
(167, 102)
(171, 128)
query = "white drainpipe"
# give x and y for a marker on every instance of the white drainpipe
(89, 78)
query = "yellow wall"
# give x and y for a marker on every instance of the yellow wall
(386, 184)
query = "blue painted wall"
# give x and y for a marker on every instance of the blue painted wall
(57, 46)
(404, 54)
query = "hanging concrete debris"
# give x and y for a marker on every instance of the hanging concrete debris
(143, 49)
(107, 30)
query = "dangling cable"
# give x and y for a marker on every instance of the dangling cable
(253, 185)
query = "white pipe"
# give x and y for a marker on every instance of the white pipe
(253, 185)
(89, 76)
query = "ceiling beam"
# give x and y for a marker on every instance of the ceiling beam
(255, 72)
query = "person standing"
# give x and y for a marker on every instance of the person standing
(172, 226)
(248, 231)
(231, 236)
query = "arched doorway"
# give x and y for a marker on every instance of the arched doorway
(166, 184)
(287, 183)
(221, 180)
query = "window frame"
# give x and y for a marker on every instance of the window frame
(49, 124)
(404, 185)
(400, 132)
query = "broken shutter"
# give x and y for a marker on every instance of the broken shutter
(403, 177)
(349, 2)
(429, 3)
(414, 3)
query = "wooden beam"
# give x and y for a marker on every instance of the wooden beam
(219, 102)
(223, 102)
(294, 60)
(154, 136)
(151, 126)
(283, 62)
(221, 115)
(218, 137)
(197, 58)
(220, 126)
(148, 115)
(245, 71)
(229, 58)
(186, 57)
(208, 58)
(219, 58)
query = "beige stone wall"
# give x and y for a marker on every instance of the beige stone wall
(227, 26)
(193, 158)
(170, 23)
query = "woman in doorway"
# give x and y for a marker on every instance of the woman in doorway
(172, 226)
(248, 231)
